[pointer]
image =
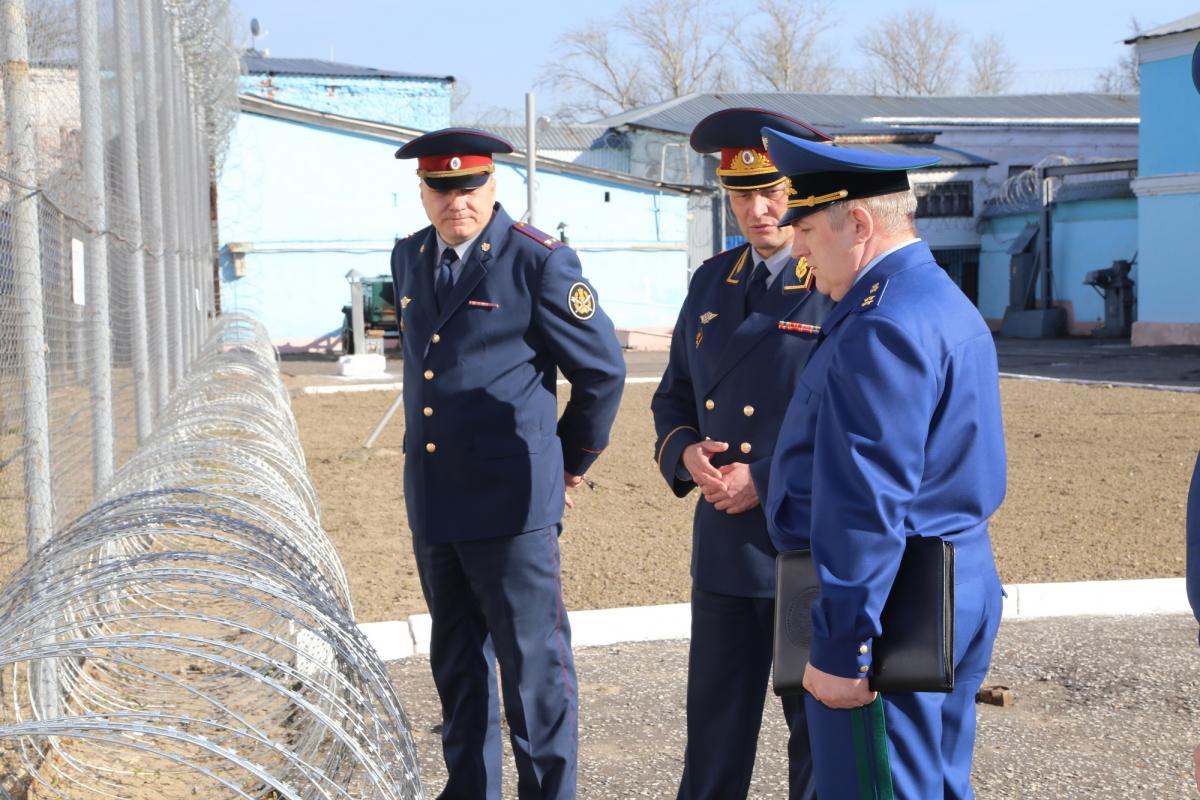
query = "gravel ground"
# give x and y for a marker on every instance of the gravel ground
(1105, 708)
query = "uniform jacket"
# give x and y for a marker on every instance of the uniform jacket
(729, 378)
(484, 453)
(894, 431)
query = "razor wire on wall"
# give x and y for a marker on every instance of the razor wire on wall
(113, 117)
(192, 635)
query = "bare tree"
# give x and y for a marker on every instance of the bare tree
(653, 50)
(681, 50)
(1123, 77)
(590, 69)
(991, 68)
(783, 50)
(912, 53)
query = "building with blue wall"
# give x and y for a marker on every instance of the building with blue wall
(1093, 223)
(399, 98)
(1168, 186)
(305, 196)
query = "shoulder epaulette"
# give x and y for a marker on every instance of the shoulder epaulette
(723, 253)
(874, 297)
(541, 237)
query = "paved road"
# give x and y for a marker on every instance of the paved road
(1105, 708)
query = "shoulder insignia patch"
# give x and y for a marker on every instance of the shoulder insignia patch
(541, 237)
(581, 301)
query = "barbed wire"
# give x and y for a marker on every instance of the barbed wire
(193, 632)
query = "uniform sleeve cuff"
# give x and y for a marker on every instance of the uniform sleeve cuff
(577, 460)
(845, 658)
(670, 454)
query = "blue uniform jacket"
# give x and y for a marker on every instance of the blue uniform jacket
(484, 454)
(729, 378)
(894, 431)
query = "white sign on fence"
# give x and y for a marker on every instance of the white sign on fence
(78, 294)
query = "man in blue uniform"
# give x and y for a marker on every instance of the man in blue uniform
(745, 330)
(490, 310)
(893, 432)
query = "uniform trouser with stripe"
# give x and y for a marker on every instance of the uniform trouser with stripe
(913, 746)
(729, 666)
(501, 599)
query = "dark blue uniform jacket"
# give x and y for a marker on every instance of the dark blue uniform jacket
(729, 378)
(484, 449)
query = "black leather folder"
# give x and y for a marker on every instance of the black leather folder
(915, 651)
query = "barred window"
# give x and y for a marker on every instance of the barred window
(949, 199)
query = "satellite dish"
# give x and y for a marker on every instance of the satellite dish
(254, 27)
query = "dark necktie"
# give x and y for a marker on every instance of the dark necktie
(443, 278)
(757, 287)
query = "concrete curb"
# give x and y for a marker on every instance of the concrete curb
(1157, 387)
(608, 626)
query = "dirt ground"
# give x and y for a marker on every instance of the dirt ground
(1097, 487)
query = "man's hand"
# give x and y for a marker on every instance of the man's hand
(570, 482)
(697, 460)
(834, 692)
(740, 492)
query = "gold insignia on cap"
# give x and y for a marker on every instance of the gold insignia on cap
(485, 246)
(707, 317)
(748, 162)
(581, 301)
(816, 200)
(404, 301)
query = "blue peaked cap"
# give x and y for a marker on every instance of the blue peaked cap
(820, 174)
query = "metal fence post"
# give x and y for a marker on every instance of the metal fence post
(152, 203)
(131, 189)
(172, 280)
(96, 248)
(30, 314)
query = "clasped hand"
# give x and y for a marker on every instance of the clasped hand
(730, 487)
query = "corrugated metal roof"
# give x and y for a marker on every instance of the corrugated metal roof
(1188, 23)
(254, 63)
(834, 112)
(560, 137)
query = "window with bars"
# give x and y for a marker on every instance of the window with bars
(949, 199)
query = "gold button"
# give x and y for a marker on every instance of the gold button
(428, 411)
(709, 404)
(748, 411)
(430, 447)
(862, 649)
(437, 337)
(863, 668)
(745, 447)
(428, 374)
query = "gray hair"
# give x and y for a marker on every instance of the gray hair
(893, 213)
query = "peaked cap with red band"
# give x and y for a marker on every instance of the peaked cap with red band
(455, 158)
(737, 134)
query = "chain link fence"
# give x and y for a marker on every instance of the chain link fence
(112, 122)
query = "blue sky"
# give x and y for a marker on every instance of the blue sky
(498, 49)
